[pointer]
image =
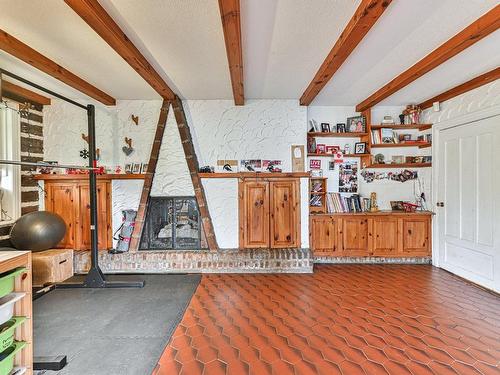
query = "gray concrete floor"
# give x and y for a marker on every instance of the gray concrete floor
(111, 331)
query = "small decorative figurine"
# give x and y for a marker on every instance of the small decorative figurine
(402, 119)
(347, 149)
(373, 202)
(127, 150)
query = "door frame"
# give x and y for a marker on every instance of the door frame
(436, 129)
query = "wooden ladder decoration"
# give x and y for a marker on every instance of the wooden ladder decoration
(192, 162)
(148, 179)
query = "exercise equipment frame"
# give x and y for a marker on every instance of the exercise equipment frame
(94, 278)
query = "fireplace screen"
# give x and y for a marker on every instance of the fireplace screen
(171, 223)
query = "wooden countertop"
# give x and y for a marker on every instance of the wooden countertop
(86, 177)
(11, 259)
(379, 213)
(255, 175)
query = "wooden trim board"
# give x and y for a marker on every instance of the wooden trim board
(34, 58)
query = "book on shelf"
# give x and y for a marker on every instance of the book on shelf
(315, 201)
(317, 187)
(336, 203)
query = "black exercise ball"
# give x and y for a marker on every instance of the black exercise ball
(37, 231)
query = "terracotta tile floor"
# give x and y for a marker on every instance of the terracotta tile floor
(343, 319)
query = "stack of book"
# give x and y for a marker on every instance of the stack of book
(336, 203)
(315, 201)
(384, 135)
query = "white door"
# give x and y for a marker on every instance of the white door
(469, 190)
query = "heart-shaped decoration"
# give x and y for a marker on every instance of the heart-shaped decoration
(127, 150)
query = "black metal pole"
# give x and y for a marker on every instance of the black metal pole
(95, 277)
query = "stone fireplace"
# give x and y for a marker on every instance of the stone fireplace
(172, 223)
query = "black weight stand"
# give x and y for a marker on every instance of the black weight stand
(95, 278)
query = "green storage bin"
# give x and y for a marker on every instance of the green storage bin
(7, 281)
(8, 355)
(7, 331)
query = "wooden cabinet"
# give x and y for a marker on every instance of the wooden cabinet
(415, 237)
(71, 200)
(269, 213)
(254, 223)
(384, 234)
(387, 234)
(324, 236)
(354, 236)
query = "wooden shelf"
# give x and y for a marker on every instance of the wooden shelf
(86, 177)
(318, 192)
(399, 126)
(401, 165)
(381, 212)
(318, 178)
(255, 175)
(406, 144)
(331, 155)
(332, 134)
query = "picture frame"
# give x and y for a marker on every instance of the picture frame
(332, 149)
(356, 124)
(325, 127)
(341, 128)
(360, 148)
(398, 159)
(320, 148)
(314, 164)
(272, 166)
(397, 206)
(144, 168)
(128, 168)
(250, 165)
(136, 168)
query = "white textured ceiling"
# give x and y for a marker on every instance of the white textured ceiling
(284, 43)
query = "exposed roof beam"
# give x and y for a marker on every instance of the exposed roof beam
(98, 19)
(10, 89)
(27, 54)
(230, 15)
(481, 80)
(473, 33)
(367, 14)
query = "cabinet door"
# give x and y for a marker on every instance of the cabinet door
(285, 210)
(102, 216)
(354, 236)
(415, 235)
(323, 236)
(254, 214)
(62, 199)
(383, 235)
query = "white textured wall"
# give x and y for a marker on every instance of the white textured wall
(386, 190)
(263, 129)
(481, 98)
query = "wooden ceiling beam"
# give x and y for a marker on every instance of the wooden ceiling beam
(101, 22)
(230, 15)
(367, 14)
(10, 89)
(473, 33)
(34, 58)
(476, 82)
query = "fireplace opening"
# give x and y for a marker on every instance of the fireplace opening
(172, 223)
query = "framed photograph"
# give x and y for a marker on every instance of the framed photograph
(136, 168)
(356, 124)
(271, 166)
(325, 127)
(398, 159)
(332, 149)
(128, 168)
(397, 206)
(320, 148)
(144, 168)
(252, 165)
(348, 177)
(341, 128)
(360, 148)
(331, 165)
(314, 164)
(426, 159)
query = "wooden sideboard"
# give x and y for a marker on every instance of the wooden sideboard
(383, 234)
